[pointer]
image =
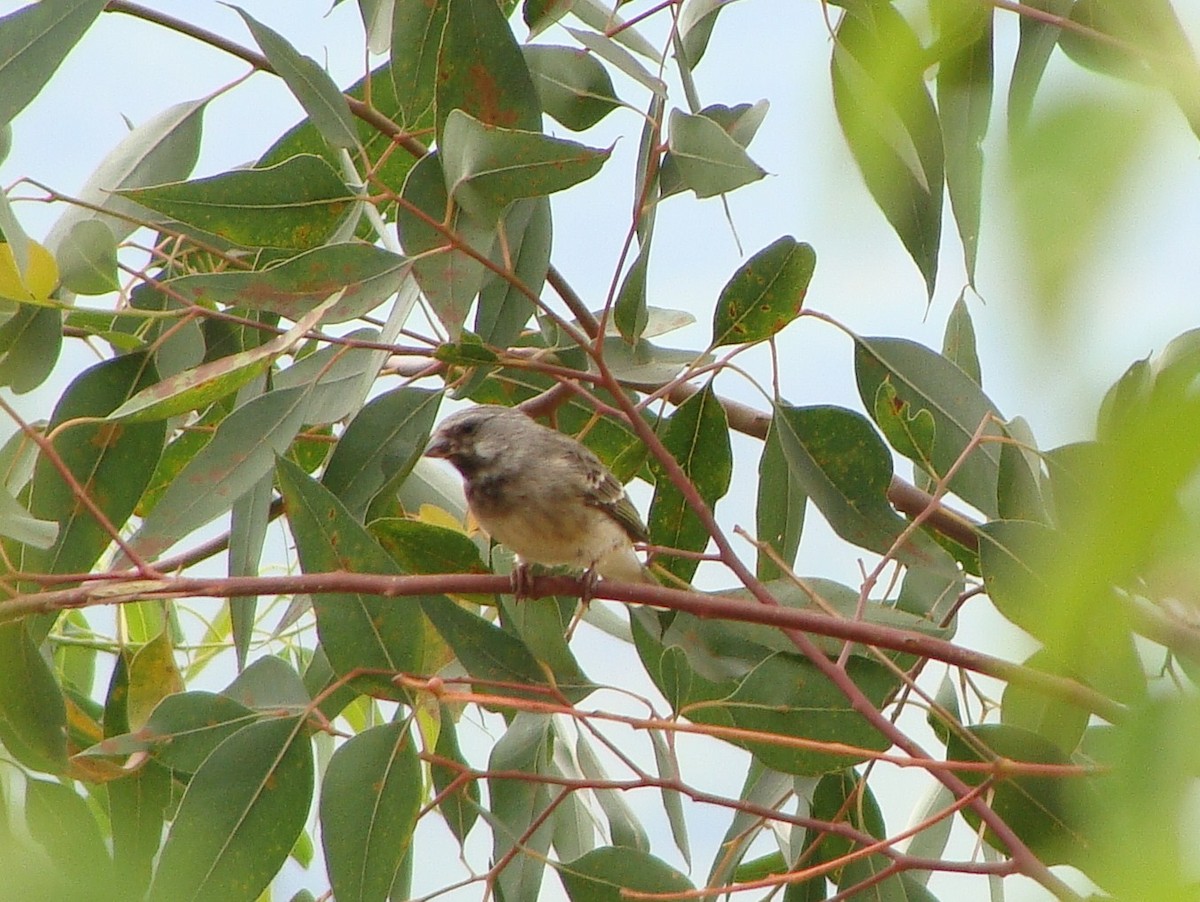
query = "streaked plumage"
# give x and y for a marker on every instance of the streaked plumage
(542, 493)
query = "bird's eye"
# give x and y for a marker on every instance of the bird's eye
(468, 428)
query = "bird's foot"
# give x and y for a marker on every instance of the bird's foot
(588, 585)
(522, 580)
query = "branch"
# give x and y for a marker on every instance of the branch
(696, 603)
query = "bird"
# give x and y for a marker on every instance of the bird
(543, 494)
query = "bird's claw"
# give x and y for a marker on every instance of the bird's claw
(521, 581)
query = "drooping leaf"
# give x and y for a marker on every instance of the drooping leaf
(370, 798)
(98, 455)
(30, 343)
(890, 124)
(311, 85)
(380, 446)
(925, 381)
(610, 50)
(449, 278)
(357, 631)
(1038, 40)
(416, 36)
(573, 87)
(33, 718)
(460, 808)
(505, 309)
(697, 435)
(241, 815)
(843, 466)
(779, 514)
(1037, 808)
(629, 313)
(765, 294)
(481, 71)
(87, 259)
(296, 205)
(601, 874)
(964, 99)
(527, 748)
(34, 41)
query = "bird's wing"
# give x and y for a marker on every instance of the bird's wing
(604, 491)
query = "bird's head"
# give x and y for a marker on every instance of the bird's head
(476, 439)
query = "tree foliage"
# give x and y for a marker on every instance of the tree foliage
(183, 717)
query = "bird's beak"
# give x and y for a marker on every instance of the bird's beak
(439, 446)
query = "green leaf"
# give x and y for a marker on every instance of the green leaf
(779, 514)
(840, 462)
(891, 126)
(1038, 40)
(322, 100)
(629, 313)
(1050, 717)
(426, 548)
(573, 87)
(162, 149)
(61, 822)
(98, 455)
(197, 388)
(87, 259)
(494, 655)
(609, 49)
(460, 808)
(33, 717)
(909, 432)
(240, 816)
(504, 308)
(357, 631)
(695, 28)
(30, 343)
(602, 874)
(709, 160)
(18, 524)
(926, 381)
(449, 278)
(297, 205)
(481, 71)
(958, 344)
(525, 748)
(488, 167)
(370, 798)
(765, 294)
(380, 446)
(416, 36)
(187, 727)
(697, 435)
(843, 797)
(964, 99)
(787, 695)
(368, 275)
(388, 168)
(1028, 570)
(1037, 808)
(33, 43)
(1019, 484)
(136, 806)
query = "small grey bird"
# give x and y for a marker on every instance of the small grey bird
(542, 493)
